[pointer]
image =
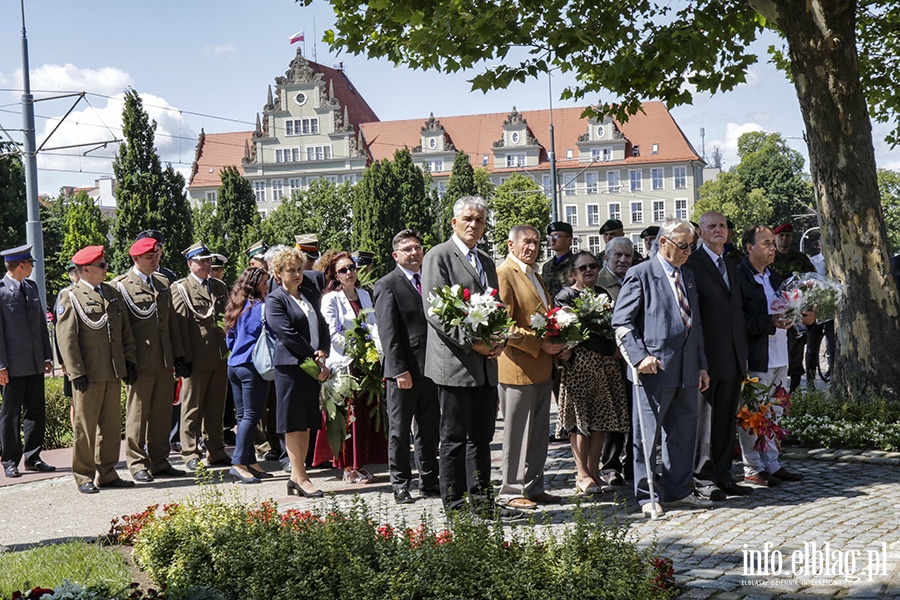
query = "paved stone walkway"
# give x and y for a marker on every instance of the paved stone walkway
(849, 501)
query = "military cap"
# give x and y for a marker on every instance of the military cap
(650, 232)
(611, 225)
(152, 233)
(729, 223)
(70, 267)
(198, 251)
(362, 258)
(88, 255)
(559, 226)
(218, 260)
(257, 249)
(784, 228)
(18, 253)
(308, 243)
(143, 246)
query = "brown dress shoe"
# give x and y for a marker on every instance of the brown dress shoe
(785, 475)
(762, 479)
(545, 498)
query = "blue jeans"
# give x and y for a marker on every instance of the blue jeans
(250, 401)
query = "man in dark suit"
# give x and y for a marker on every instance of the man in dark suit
(403, 330)
(725, 342)
(658, 325)
(25, 356)
(464, 370)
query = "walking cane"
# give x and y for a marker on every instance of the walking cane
(621, 332)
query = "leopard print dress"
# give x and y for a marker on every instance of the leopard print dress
(592, 395)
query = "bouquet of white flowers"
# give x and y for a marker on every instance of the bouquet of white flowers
(561, 325)
(594, 312)
(481, 316)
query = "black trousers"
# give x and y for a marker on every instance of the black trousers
(615, 443)
(23, 397)
(468, 419)
(419, 402)
(716, 433)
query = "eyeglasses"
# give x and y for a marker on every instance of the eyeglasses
(99, 265)
(556, 236)
(410, 249)
(591, 266)
(347, 269)
(682, 246)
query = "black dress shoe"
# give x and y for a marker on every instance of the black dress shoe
(39, 466)
(711, 492)
(169, 471)
(143, 476)
(430, 492)
(88, 488)
(736, 490)
(118, 482)
(401, 496)
(222, 462)
(12, 471)
(192, 465)
(785, 475)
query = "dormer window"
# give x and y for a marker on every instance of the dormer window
(432, 143)
(600, 131)
(514, 137)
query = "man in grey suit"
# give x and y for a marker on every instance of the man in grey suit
(465, 371)
(657, 320)
(25, 356)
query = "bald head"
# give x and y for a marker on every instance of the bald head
(713, 231)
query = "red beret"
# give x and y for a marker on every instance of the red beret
(88, 255)
(143, 246)
(784, 228)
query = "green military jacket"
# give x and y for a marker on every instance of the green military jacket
(93, 333)
(556, 273)
(792, 262)
(199, 311)
(154, 323)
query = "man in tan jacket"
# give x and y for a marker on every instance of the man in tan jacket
(199, 302)
(154, 325)
(525, 375)
(97, 347)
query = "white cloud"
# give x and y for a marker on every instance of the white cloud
(728, 144)
(220, 49)
(754, 78)
(107, 81)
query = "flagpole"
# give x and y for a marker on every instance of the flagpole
(315, 58)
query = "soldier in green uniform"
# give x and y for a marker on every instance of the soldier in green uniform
(148, 406)
(732, 251)
(199, 302)
(555, 272)
(787, 262)
(97, 347)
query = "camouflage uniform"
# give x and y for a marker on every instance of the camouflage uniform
(555, 273)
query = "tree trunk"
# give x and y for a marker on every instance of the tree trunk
(821, 36)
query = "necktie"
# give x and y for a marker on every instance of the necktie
(22, 291)
(99, 290)
(473, 259)
(418, 281)
(721, 264)
(683, 305)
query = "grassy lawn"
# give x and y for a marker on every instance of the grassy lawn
(48, 566)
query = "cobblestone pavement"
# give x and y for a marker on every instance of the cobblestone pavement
(849, 501)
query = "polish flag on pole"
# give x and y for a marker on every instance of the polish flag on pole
(297, 37)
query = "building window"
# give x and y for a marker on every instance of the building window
(484, 160)
(287, 155)
(681, 208)
(612, 182)
(659, 211)
(277, 189)
(594, 244)
(514, 137)
(211, 197)
(680, 175)
(569, 188)
(637, 212)
(441, 188)
(515, 160)
(433, 166)
(295, 184)
(637, 242)
(607, 154)
(259, 190)
(591, 183)
(635, 177)
(318, 152)
(569, 154)
(279, 155)
(654, 149)
(572, 215)
(615, 211)
(351, 179)
(636, 151)
(593, 214)
(308, 126)
(658, 176)
(263, 214)
(432, 143)
(548, 185)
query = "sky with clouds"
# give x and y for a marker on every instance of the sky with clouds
(206, 65)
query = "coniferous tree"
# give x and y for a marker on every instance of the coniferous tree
(12, 198)
(236, 209)
(53, 223)
(208, 226)
(461, 183)
(85, 226)
(147, 196)
(376, 214)
(416, 208)
(518, 201)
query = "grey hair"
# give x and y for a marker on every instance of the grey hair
(672, 225)
(518, 230)
(613, 244)
(476, 202)
(271, 252)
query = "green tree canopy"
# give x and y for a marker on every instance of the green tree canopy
(520, 200)
(889, 186)
(461, 183)
(12, 197)
(322, 208)
(236, 209)
(85, 226)
(726, 194)
(53, 223)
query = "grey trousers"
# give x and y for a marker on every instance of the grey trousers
(526, 435)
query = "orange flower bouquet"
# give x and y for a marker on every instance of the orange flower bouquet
(756, 414)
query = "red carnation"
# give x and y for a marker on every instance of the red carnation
(466, 294)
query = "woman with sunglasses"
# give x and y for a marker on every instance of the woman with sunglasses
(592, 395)
(341, 304)
(243, 326)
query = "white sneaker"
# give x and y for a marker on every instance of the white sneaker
(692, 499)
(647, 509)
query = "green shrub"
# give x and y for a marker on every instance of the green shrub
(257, 552)
(819, 420)
(58, 428)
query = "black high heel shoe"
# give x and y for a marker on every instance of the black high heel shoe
(236, 476)
(294, 489)
(259, 474)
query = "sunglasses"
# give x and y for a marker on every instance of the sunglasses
(347, 269)
(591, 266)
(99, 265)
(682, 246)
